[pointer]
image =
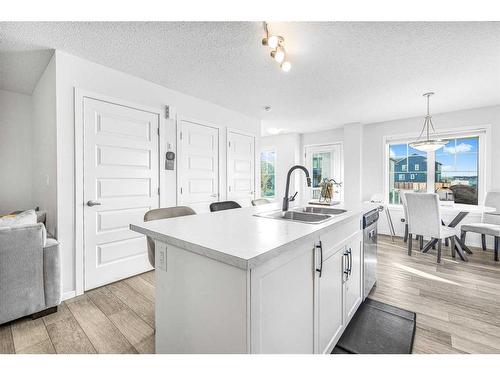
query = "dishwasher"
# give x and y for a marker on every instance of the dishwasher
(370, 250)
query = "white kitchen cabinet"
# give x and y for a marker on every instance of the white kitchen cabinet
(281, 303)
(353, 286)
(226, 296)
(337, 286)
(329, 307)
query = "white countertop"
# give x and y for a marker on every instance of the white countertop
(237, 237)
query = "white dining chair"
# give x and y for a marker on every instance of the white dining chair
(405, 214)
(489, 225)
(424, 219)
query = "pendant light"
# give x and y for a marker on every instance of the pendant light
(426, 143)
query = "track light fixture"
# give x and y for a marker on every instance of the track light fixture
(278, 53)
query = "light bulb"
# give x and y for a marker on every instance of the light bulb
(272, 41)
(286, 66)
(278, 55)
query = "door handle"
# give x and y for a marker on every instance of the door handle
(93, 203)
(320, 269)
(213, 195)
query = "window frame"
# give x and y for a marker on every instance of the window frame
(260, 172)
(484, 157)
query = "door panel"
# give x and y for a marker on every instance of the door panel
(198, 165)
(121, 173)
(353, 285)
(240, 168)
(330, 312)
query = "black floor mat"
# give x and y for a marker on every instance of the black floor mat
(378, 328)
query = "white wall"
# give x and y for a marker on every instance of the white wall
(353, 164)
(15, 152)
(323, 137)
(43, 146)
(76, 72)
(287, 147)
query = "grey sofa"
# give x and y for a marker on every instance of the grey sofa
(30, 272)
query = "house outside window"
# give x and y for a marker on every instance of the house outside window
(456, 167)
(267, 174)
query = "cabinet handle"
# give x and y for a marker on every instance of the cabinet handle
(350, 261)
(346, 265)
(320, 247)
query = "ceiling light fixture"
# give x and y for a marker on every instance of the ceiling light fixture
(278, 53)
(426, 143)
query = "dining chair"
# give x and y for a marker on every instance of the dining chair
(405, 213)
(163, 213)
(489, 225)
(225, 205)
(424, 219)
(260, 202)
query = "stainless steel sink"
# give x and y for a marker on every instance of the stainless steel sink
(302, 217)
(322, 210)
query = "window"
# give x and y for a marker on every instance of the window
(267, 174)
(402, 158)
(456, 167)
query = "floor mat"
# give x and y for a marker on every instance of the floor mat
(378, 328)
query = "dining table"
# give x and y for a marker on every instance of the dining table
(461, 211)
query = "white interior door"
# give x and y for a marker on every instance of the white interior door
(240, 168)
(121, 179)
(324, 162)
(198, 170)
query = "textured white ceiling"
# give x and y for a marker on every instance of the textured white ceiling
(342, 72)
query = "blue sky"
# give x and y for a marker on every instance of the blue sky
(458, 157)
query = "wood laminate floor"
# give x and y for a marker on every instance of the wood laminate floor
(116, 318)
(457, 306)
(457, 303)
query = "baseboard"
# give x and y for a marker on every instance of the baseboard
(68, 295)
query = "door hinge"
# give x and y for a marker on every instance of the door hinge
(158, 131)
(229, 144)
(167, 111)
(229, 188)
(180, 135)
(158, 191)
(181, 190)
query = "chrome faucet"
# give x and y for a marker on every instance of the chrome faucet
(287, 199)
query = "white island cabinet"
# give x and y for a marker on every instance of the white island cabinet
(231, 282)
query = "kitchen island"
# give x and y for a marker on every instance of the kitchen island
(234, 282)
